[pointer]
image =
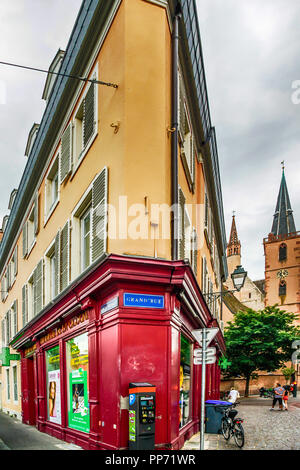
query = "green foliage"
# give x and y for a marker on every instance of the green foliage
(260, 340)
(287, 372)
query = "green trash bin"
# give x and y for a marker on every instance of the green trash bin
(214, 411)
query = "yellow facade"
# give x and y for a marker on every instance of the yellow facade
(132, 141)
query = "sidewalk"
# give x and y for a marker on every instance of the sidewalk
(264, 429)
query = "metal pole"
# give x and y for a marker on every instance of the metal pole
(203, 389)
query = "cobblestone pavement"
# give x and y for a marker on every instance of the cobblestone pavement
(264, 429)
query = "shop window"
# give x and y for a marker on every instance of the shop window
(185, 381)
(53, 385)
(283, 252)
(78, 391)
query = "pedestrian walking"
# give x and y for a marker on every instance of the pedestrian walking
(285, 398)
(278, 394)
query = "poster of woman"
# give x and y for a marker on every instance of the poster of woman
(54, 402)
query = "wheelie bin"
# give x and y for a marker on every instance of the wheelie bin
(214, 410)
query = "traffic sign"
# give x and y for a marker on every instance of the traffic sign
(210, 334)
(210, 356)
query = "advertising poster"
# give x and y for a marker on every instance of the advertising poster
(79, 417)
(54, 399)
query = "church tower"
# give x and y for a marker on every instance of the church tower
(233, 248)
(282, 256)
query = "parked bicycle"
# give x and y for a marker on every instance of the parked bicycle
(232, 426)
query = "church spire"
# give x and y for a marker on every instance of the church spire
(283, 221)
(234, 245)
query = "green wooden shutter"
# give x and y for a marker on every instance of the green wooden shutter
(25, 240)
(181, 220)
(99, 214)
(64, 257)
(89, 115)
(66, 153)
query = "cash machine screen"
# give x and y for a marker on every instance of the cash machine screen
(147, 410)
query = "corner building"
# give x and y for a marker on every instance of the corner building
(89, 302)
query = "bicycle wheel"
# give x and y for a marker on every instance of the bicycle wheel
(238, 433)
(225, 429)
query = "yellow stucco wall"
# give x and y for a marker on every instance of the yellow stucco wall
(136, 55)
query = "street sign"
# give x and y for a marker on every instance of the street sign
(210, 334)
(210, 356)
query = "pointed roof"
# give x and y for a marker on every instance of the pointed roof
(234, 245)
(283, 221)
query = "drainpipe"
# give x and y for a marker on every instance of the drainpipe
(174, 142)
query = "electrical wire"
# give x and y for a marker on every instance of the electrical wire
(98, 82)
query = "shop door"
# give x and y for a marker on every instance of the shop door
(31, 392)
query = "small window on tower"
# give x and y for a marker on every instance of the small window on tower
(282, 288)
(282, 252)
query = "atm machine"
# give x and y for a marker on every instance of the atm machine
(141, 416)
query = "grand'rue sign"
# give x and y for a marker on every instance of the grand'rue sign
(143, 300)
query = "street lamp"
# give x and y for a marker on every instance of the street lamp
(238, 278)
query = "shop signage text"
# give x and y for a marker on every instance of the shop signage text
(68, 325)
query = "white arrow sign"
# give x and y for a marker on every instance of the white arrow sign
(210, 334)
(210, 356)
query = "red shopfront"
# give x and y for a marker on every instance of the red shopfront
(78, 358)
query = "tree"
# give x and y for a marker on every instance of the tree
(259, 340)
(287, 373)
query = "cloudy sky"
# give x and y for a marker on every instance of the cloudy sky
(251, 52)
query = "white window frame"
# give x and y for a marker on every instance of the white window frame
(30, 231)
(80, 209)
(79, 155)
(8, 383)
(87, 212)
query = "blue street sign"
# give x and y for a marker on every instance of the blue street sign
(144, 300)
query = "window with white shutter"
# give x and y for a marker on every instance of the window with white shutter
(25, 239)
(194, 251)
(24, 305)
(64, 257)
(99, 214)
(186, 137)
(14, 312)
(38, 288)
(181, 223)
(66, 154)
(85, 123)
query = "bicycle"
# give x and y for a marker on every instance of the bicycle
(232, 426)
